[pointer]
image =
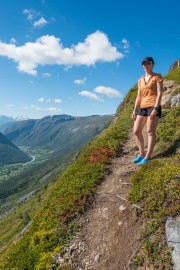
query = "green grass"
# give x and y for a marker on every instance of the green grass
(175, 92)
(156, 189)
(18, 189)
(168, 133)
(54, 224)
(173, 75)
(19, 217)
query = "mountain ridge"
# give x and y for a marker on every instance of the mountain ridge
(54, 132)
(10, 153)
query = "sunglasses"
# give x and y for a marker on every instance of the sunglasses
(146, 63)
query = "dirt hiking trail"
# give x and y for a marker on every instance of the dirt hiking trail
(109, 234)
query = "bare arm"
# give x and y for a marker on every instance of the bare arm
(138, 100)
(137, 103)
(159, 96)
(159, 93)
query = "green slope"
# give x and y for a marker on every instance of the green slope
(16, 190)
(61, 133)
(156, 189)
(5, 120)
(66, 134)
(9, 153)
(173, 75)
(54, 223)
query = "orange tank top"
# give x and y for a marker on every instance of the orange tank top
(148, 90)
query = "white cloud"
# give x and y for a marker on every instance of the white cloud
(108, 91)
(58, 100)
(68, 67)
(30, 13)
(38, 108)
(125, 43)
(46, 75)
(80, 81)
(10, 105)
(41, 99)
(91, 96)
(44, 100)
(31, 107)
(40, 23)
(53, 109)
(25, 107)
(13, 40)
(53, 19)
(48, 50)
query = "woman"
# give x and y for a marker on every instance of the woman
(150, 87)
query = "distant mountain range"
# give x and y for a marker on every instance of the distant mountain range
(9, 153)
(7, 120)
(60, 133)
(63, 135)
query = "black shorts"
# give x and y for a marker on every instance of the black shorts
(147, 111)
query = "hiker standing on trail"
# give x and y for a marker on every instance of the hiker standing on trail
(148, 98)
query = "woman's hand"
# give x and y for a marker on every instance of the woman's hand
(134, 114)
(153, 114)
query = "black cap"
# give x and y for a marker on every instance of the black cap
(148, 59)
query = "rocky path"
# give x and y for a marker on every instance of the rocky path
(110, 230)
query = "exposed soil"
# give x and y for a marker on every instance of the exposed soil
(109, 234)
(110, 229)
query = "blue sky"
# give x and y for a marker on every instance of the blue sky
(80, 57)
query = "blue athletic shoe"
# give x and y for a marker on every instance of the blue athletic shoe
(144, 161)
(138, 159)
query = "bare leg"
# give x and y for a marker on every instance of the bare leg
(138, 128)
(151, 132)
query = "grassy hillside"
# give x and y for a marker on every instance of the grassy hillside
(50, 137)
(4, 120)
(61, 133)
(54, 224)
(173, 75)
(156, 189)
(19, 183)
(10, 153)
(18, 189)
